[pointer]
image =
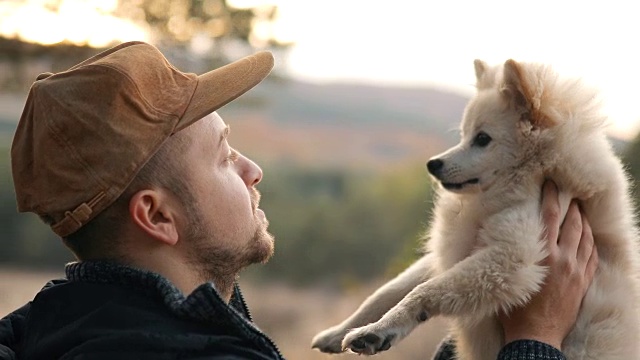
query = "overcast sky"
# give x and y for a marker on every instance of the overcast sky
(435, 43)
(408, 42)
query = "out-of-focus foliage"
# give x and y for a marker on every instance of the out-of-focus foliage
(332, 226)
(24, 239)
(335, 224)
(329, 223)
(21, 62)
(180, 21)
(196, 35)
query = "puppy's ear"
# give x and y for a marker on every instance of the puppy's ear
(520, 95)
(483, 80)
(514, 89)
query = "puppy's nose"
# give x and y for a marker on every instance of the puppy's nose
(434, 165)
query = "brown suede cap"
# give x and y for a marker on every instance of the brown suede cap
(86, 132)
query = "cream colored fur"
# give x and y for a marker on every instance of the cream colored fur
(485, 247)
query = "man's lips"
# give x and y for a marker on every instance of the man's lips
(458, 186)
(260, 213)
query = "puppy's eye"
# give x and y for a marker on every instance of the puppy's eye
(482, 139)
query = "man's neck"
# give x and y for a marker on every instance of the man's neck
(224, 287)
(177, 267)
(187, 278)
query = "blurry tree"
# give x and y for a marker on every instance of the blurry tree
(332, 226)
(25, 240)
(214, 31)
(340, 227)
(179, 21)
(21, 62)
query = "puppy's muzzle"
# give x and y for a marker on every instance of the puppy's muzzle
(435, 166)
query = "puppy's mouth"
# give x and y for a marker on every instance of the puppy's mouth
(458, 186)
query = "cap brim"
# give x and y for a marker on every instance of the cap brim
(222, 85)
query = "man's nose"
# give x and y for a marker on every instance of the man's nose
(251, 172)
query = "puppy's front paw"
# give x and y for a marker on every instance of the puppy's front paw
(329, 340)
(380, 336)
(366, 341)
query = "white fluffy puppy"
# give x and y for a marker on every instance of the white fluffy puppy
(484, 252)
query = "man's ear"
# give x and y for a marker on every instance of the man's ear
(155, 213)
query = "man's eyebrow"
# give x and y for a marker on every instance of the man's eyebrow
(224, 135)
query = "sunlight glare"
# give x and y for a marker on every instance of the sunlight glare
(80, 22)
(413, 43)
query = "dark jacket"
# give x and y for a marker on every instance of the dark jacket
(108, 311)
(517, 350)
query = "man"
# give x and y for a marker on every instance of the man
(126, 159)
(160, 211)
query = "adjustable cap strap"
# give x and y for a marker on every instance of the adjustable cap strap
(73, 220)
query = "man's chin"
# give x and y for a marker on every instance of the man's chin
(260, 215)
(264, 246)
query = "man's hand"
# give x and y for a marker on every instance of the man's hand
(572, 262)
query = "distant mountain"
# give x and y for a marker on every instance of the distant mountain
(347, 124)
(335, 125)
(343, 124)
(340, 104)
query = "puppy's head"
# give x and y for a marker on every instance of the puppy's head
(499, 130)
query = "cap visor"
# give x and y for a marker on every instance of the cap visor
(222, 85)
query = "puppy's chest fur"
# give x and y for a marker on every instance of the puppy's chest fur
(459, 220)
(457, 231)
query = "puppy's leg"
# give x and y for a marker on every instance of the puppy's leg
(503, 274)
(372, 309)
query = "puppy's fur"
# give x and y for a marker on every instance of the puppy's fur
(486, 238)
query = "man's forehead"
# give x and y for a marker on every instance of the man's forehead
(211, 125)
(216, 130)
(221, 130)
(217, 122)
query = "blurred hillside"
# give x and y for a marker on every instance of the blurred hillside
(333, 125)
(350, 124)
(343, 125)
(345, 189)
(343, 164)
(344, 174)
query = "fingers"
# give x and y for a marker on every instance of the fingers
(551, 211)
(592, 260)
(578, 247)
(591, 268)
(590, 249)
(571, 231)
(586, 246)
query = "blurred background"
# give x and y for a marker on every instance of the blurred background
(363, 93)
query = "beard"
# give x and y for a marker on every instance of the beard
(221, 264)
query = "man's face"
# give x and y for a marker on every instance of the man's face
(226, 231)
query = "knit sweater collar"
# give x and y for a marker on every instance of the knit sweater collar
(204, 303)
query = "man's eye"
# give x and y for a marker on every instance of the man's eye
(232, 157)
(482, 139)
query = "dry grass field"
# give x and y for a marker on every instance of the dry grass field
(290, 316)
